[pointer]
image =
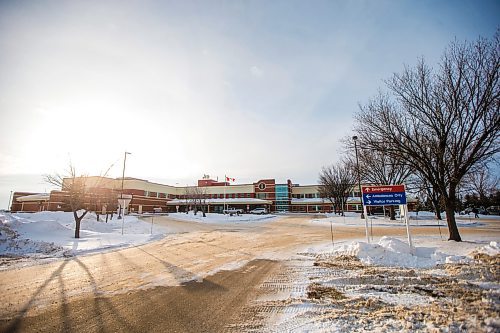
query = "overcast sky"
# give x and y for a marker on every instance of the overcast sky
(252, 89)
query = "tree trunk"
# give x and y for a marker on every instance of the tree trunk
(77, 228)
(392, 213)
(78, 220)
(450, 203)
(437, 208)
(438, 213)
(452, 225)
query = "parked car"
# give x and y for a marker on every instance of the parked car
(232, 211)
(259, 210)
(493, 210)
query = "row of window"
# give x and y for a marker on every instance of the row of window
(218, 196)
(281, 193)
(316, 195)
(158, 195)
(307, 195)
(207, 196)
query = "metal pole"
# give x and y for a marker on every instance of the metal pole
(371, 228)
(410, 243)
(121, 193)
(10, 200)
(366, 225)
(355, 138)
(187, 202)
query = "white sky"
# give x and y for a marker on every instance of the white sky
(252, 89)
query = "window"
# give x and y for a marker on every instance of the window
(282, 198)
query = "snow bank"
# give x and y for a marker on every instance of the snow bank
(393, 252)
(491, 249)
(422, 219)
(52, 234)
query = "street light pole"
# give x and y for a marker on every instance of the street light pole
(123, 177)
(10, 200)
(355, 138)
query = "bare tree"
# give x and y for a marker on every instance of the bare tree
(78, 193)
(481, 182)
(427, 193)
(199, 197)
(442, 122)
(109, 203)
(336, 181)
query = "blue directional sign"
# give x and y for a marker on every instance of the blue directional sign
(384, 195)
(384, 199)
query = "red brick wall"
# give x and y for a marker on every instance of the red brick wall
(269, 188)
(33, 206)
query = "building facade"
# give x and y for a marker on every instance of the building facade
(211, 195)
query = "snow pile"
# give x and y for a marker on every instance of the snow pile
(492, 249)
(12, 241)
(219, 218)
(422, 219)
(394, 253)
(52, 234)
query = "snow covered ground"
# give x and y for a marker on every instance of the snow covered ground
(51, 234)
(348, 286)
(220, 218)
(427, 251)
(384, 286)
(422, 219)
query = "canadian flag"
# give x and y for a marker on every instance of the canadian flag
(228, 179)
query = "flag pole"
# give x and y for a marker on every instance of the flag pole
(224, 204)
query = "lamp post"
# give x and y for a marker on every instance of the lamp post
(10, 200)
(123, 177)
(355, 138)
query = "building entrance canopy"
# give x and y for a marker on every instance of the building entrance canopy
(229, 201)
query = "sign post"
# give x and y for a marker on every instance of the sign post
(407, 219)
(152, 218)
(366, 224)
(386, 195)
(123, 202)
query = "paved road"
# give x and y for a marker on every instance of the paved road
(207, 306)
(144, 288)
